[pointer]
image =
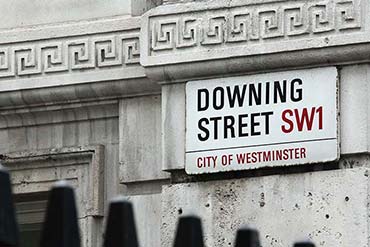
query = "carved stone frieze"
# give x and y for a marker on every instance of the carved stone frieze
(252, 24)
(213, 30)
(69, 55)
(43, 58)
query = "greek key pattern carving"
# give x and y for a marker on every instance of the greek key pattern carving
(253, 24)
(69, 55)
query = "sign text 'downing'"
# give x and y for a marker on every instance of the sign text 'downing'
(264, 120)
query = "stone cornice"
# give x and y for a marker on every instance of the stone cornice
(218, 37)
(72, 62)
(69, 29)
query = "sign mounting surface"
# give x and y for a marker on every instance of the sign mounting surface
(264, 120)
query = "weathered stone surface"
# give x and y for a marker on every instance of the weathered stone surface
(328, 207)
(180, 1)
(140, 139)
(91, 231)
(82, 167)
(25, 13)
(147, 210)
(65, 134)
(354, 108)
(173, 126)
(42, 115)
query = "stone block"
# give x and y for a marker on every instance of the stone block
(147, 213)
(173, 126)
(354, 108)
(328, 207)
(24, 13)
(140, 139)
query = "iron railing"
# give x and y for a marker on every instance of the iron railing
(60, 228)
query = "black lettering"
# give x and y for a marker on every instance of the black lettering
(215, 126)
(229, 122)
(204, 129)
(296, 93)
(242, 125)
(254, 124)
(280, 91)
(267, 93)
(254, 94)
(206, 98)
(267, 121)
(235, 95)
(221, 97)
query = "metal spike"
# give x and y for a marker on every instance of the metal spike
(304, 244)
(189, 232)
(247, 237)
(61, 225)
(121, 229)
(8, 224)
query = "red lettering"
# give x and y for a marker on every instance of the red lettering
(240, 158)
(254, 157)
(248, 157)
(279, 154)
(266, 156)
(303, 153)
(296, 153)
(199, 162)
(286, 154)
(304, 118)
(319, 111)
(285, 114)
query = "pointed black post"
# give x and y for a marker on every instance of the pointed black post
(304, 244)
(8, 223)
(189, 232)
(120, 230)
(247, 237)
(61, 225)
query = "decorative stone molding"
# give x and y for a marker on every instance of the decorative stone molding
(72, 62)
(36, 116)
(69, 55)
(229, 30)
(39, 57)
(82, 167)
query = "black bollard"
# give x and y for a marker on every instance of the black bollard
(304, 244)
(247, 237)
(120, 230)
(8, 224)
(189, 232)
(61, 225)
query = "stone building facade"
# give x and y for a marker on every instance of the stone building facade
(95, 93)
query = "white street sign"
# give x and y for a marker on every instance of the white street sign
(264, 120)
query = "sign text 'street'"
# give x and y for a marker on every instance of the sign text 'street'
(264, 120)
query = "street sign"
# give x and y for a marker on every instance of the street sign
(263, 120)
